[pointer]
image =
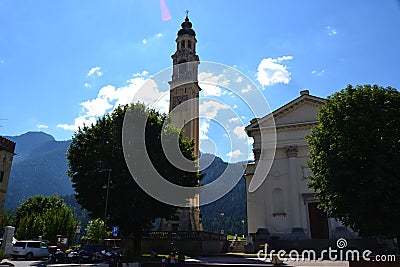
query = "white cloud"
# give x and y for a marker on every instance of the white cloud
(250, 141)
(210, 89)
(95, 70)
(235, 119)
(251, 157)
(235, 106)
(270, 71)
(42, 126)
(246, 89)
(209, 109)
(97, 106)
(141, 74)
(240, 133)
(211, 83)
(203, 131)
(239, 79)
(331, 31)
(154, 37)
(78, 122)
(2, 61)
(234, 154)
(88, 85)
(109, 97)
(318, 73)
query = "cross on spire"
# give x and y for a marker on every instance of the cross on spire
(187, 12)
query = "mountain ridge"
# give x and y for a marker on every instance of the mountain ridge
(40, 169)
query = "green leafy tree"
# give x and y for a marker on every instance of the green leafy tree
(355, 159)
(98, 147)
(95, 230)
(7, 219)
(46, 217)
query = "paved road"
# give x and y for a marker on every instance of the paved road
(43, 263)
(24, 263)
(227, 260)
(210, 261)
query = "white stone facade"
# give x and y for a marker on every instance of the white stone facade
(283, 203)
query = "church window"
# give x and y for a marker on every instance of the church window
(183, 44)
(278, 202)
(185, 90)
(189, 44)
(1, 176)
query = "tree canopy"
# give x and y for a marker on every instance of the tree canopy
(355, 158)
(46, 217)
(95, 149)
(95, 230)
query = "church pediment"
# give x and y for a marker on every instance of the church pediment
(302, 110)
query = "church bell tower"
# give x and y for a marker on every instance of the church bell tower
(184, 88)
(184, 107)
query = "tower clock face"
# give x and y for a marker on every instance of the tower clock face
(176, 100)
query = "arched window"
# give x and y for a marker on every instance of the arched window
(177, 46)
(189, 44)
(183, 44)
(278, 202)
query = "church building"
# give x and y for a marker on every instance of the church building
(283, 205)
(184, 88)
(184, 113)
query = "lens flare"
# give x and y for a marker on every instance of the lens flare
(165, 15)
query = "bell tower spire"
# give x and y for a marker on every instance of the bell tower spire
(184, 88)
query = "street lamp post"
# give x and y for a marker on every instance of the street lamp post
(223, 223)
(106, 204)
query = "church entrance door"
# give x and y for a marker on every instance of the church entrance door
(318, 222)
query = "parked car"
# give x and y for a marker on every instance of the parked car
(30, 249)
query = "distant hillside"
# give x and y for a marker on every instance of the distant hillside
(38, 168)
(233, 204)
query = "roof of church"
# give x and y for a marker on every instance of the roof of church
(304, 96)
(186, 28)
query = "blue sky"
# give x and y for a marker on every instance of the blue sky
(67, 61)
